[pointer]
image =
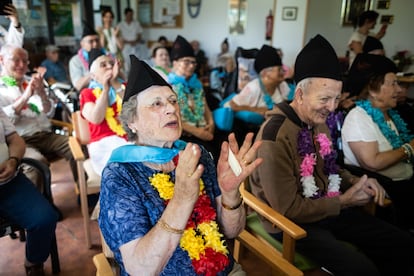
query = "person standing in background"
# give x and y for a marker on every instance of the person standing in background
(109, 36)
(15, 34)
(365, 22)
(131, 33)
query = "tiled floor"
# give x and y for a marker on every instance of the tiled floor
(75, 258)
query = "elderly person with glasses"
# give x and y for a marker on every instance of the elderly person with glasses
(197, 118)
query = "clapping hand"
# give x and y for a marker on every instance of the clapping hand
(246, 156)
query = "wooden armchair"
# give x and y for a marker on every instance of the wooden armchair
(90, 184)
(280, 256)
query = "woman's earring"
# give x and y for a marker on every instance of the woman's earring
(133, 130)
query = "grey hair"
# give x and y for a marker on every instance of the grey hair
(8, 49)
(304, 84)
(127, 116)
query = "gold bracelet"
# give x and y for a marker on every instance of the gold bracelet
(168, 228)
(227, 207)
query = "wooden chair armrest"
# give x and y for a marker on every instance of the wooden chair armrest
(62, 124)
(76, 149)
(280, 221)
(103, 268)
(283, 267)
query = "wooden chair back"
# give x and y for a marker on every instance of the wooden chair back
(81, 128)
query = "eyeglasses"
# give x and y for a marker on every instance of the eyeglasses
(158, 104)
(391, 82)
(187, 62)
(91, 41)
(105, 63)
(18, 60)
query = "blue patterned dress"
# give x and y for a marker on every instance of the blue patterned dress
(130, 207)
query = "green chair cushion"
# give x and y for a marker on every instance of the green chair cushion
(253, 222)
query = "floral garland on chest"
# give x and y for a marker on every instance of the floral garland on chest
(30, 109)
(396, 139)
(191, 98)
(112, 112)
(201, 238)
(307, 151)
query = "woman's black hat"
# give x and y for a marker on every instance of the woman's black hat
(141, 76)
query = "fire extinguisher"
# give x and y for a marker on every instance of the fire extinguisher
(269, 25)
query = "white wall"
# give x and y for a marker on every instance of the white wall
(211, 26)
(324, 18)
(314, 16)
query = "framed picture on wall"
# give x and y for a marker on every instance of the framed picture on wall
(351, 9)
(289, 13)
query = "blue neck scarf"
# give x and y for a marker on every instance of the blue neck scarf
(111, 94)
(135, 153)
(266, 97)
(192, 83)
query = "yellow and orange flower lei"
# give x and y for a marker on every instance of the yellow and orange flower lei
(201, 238)
(111, 114)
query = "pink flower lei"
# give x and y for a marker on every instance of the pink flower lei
(328, 154)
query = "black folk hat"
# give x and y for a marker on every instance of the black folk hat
(266, 57)
(181, 48)
(364, 68)
(317, 59)
(141, 76)
(93, 54)
(372, 44)
(88, 30)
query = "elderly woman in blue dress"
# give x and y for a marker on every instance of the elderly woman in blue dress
(165, 207)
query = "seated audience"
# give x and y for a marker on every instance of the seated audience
(197, 119)
(299, 178)
(164, 42)
(161, 60)
(268, 89)
(374, 135)
(100, 105)
(26, 103)
(202, 61)
(21, 202)
(15, 33)
(162, 200)
(261, 93)
(55, 69)
(288, 70)
(79, 64)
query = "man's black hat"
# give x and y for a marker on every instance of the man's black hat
(317, 59)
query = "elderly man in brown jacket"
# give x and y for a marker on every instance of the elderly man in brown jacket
(300, 179)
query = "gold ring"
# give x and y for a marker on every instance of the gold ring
(190, 175)
(245, 162)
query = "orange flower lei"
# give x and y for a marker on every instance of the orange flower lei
(111, 113)
(201, 238)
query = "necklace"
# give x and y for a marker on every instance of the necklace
(395, 138)
(201, 238)
(187, 89)
(307, 167)
(112, 113)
